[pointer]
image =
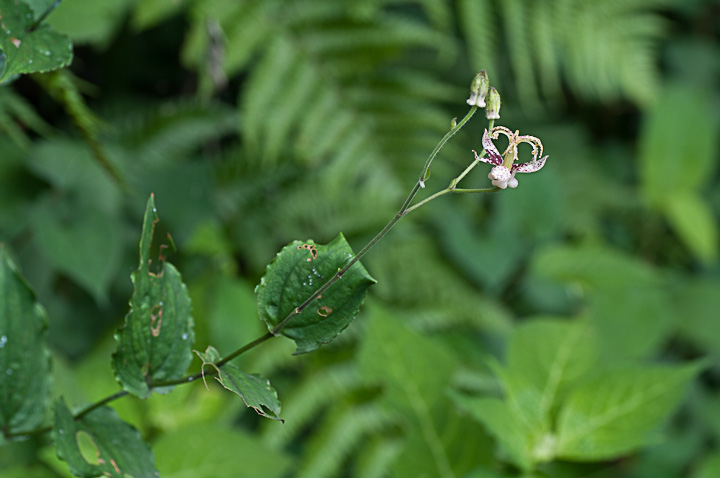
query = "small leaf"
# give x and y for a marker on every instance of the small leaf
(616, 412)
(299, 270)
(26, 49)
(24, 358)
(114, 446)
(255, 390)
(155, 343)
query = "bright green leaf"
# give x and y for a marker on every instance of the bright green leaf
(24, 359)
(115, 448)
(504, 424)
(631, 325)
(218, 452)
(695, 223)
(155, 343)
(616, 412)
(255, 390)
(593, 266)
(677, 146)
(415, 373)
(299, 270)
(26, 48)
(545, 359)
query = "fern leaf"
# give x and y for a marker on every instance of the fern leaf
(339, 435)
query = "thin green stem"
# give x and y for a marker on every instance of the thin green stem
(444, 140)
(404, 209)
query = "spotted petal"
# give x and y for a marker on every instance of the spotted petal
(530, 167)
(493, 153)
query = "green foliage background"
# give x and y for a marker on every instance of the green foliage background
(259, 122)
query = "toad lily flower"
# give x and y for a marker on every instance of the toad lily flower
(504, 170)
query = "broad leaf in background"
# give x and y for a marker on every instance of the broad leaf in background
(256, 391)
(298, 270)
(415, 372)
(677, 158)
(24, 359)
(616, 412)
(218, 452)
(155, 343)
(27, 48)
(545, 359)
(115, 448)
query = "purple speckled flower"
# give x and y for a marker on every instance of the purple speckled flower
(504, 170)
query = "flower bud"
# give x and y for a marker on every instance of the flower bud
(479, 90)
(493, 104)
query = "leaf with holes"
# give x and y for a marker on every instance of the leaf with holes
(155, 344)
(295, 274)
(27, 48)
(101, 444)
(24, 359)
(255, 390)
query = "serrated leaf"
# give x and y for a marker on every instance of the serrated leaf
(26, 49)
(298, 270)
(155, 344)
(255, 390)
(616, 412)
(24, 358)
(114, 446)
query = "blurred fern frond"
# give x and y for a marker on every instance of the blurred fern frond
(601, 50)
(17, 117)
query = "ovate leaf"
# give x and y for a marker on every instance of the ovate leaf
(616, 412)
(26, 48)
(155, 343)
(295, 274)
(24, 359)
(255, 390)
(101, 444)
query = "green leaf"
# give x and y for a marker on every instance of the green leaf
(593, 266)
(415, 372)
(298, 270)
(114, 447)
(545, 359)
(255, 390)
(218, 452)
(26, 49)
(72, 240)
(678, 144)
(24, 358)
(149, 13)
(504, 424)
(709, 468)
(694, 222)
(89, 21)
(616, 412)
(155, 344)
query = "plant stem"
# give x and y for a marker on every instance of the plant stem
(404, 209)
